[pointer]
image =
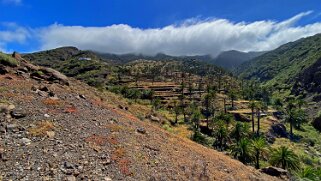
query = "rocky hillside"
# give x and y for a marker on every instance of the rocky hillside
(83, 65)
(57, 128)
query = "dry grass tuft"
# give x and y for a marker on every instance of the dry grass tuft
(41, 128)
(118, 154)
(51, 102)
(70, 110)
(112, 140)
(114, 127)
(123, 165)
(97, 140)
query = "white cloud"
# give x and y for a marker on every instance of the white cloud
(189, 38)
(15, 2)
(12, 33)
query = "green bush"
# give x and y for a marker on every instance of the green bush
(200, 138)
(8, 61)
(147, 94)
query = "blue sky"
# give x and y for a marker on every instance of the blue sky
(149, 26)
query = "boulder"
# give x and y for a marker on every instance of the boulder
(141, 130)
(279, 130)
(316, 123)
(270, 137)
(274, 171)
(6, 108)
(3, 70)
(30, 66)
(12, 128)
(241, 118)
(17, 114)
(154, 118)
(55, 75)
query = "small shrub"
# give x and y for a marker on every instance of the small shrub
(199, 138)
(147, 94)
(41, 128)
(97, 140)
(167, 128)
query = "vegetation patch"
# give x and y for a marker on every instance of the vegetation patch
(41, 128)
(98, 140)
(51, 102)
(8, 60)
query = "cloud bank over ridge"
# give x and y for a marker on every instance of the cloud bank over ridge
(192, 37)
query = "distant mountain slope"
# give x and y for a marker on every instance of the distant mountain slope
(228, 59)
(126, 58)
(283, 65)
(232, 59)
(94, 68)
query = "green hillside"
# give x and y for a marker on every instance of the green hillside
(83, 65)
(100, 70)
(280, 67)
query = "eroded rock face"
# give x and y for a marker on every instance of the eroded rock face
(309, 80)
(275, 171)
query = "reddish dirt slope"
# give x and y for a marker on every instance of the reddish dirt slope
(64, 136)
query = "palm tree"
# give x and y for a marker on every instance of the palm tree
(299, 116)
(232, 95)
(240, 130)
(177, 110)
(309, 173)
(182, 97)
(301, 103)
(208, 102)
(290, 109)
(252, 105)
(285, 158)
(242, 151)
(224, 102)
(196, 119)
(259, 106)
(221, 135)
(259, 148)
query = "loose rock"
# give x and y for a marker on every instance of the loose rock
(17, 114)
(141, 130)
(25, 141)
